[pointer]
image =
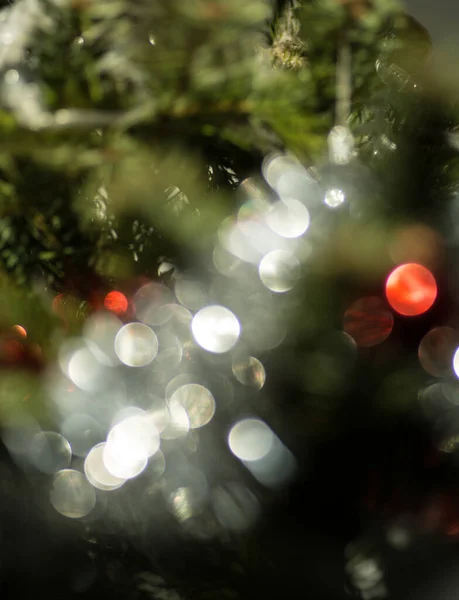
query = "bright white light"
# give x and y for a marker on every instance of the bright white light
(129, 445)
(120, 464)
(136, 345)
(276, 165)
(288, 217)
(158, 413)
(179, 423)
(99, 332)
(136, 435)
(216, 329)
(279, 271)
(198, 403)
(341, 145)
(262, 452)
(97, 473)
(72, 495)
(85, 371)
(456, 363)
(49, 452)
(334, 198)
(250, 439)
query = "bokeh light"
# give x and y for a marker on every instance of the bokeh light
(129, 445)
(179, 423)
(85, 371)
(368, 321)
(136, 345)
(148, 300)
(190, 293)
(417, 243)
(456, 363)
(279, 270)
(72, 495)
(99, 332)
(82, 432)
(436, 351)
(216, 329)
(20, 330)
(249, 371)
(276, 165)
(411, 289)
(334, 197)
(116, 302)
(288, 217)
(198, 403)
(97, 473)
(262, 452)
(185, 490)
(250, 439)
(340, 145)
(49, 452)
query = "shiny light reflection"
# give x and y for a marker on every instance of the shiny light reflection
(279, 270)
(250, 439)
(334, 197)
(179, 422)
(341, 145)
(249, 371)
(288, 217)
(72, 495)
(456, 363)
(262, 452)
(97, 473)
(129, 445)
(49, 452)
(85, 372)
(136, 435)
(274, 166)
(198, 403)
(136, 345)
(249, 240)
(216, 329)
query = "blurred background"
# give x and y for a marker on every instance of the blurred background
(229, 346)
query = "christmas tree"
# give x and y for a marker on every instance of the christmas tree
(229, 319)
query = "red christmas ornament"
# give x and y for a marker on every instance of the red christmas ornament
(411, 289)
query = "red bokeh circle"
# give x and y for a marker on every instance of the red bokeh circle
(116, 302)
(411, 289)
(368, 321)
